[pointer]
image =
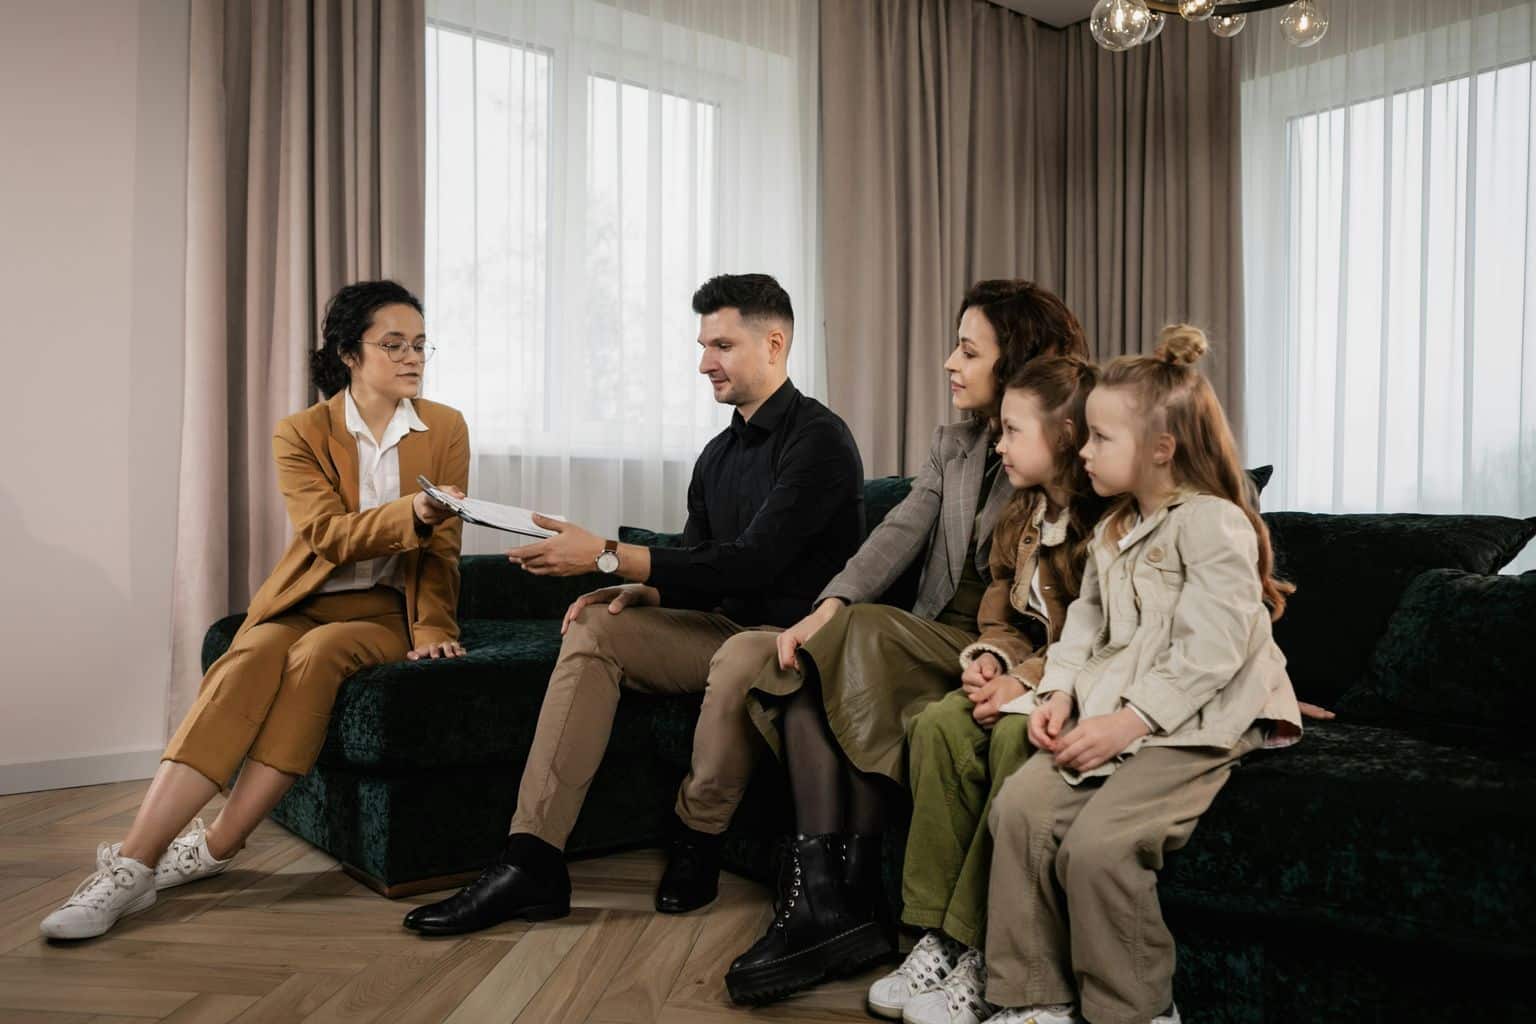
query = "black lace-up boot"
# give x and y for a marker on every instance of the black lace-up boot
(816, 932)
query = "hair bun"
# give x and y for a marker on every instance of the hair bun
(1182, 344)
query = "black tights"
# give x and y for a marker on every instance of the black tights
(830, 794)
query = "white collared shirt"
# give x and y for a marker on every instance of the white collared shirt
(378, 482)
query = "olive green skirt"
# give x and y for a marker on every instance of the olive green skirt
(879, 668)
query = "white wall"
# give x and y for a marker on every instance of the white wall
(92, 252)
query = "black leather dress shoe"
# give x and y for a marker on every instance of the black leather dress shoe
(692, 878)
(503, 892)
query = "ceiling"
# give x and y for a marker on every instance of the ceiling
(1059, 13)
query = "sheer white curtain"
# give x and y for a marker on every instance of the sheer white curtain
(1389, 215)
(589, 164)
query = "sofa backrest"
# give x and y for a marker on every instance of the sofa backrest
(492, 588)
(1350, 571)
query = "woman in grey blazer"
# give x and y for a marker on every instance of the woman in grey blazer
(835, 701)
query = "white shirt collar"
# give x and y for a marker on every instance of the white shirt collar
(404, 419)
(1053, 532)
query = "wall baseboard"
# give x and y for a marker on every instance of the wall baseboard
(68, 772)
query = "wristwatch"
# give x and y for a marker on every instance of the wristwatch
(608, 561)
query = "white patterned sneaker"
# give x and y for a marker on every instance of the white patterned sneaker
(1060, 1014)
(957, 1000)
(187, 858)
(929, 963)
(119, 887)
(1171, 1017)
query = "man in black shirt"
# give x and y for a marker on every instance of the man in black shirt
(775, 508)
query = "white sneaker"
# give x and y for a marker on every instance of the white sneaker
(119, 887)
(929, 963)
(187, 858)
(1059, 1014)
(957, 1000)
(1171, 1017)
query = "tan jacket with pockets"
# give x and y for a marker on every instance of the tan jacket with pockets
(1174, 622)
(1010, 628)
(317, 469)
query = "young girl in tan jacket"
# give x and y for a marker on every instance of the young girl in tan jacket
(964, 745)
(1165, 675)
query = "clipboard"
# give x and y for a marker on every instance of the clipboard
(508, 518)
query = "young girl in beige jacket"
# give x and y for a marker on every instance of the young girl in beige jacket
(1165, 675)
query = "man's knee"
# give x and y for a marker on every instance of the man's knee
(594, 627)
(739, 661)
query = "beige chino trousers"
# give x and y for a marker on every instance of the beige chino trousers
(1072, 910)
(649, 650)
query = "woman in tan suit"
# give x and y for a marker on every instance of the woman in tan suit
(371, 576)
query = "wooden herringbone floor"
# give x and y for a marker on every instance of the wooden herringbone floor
(285, 935)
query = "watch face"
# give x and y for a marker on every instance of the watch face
(607, 561)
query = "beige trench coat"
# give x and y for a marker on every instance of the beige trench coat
(1174, 622)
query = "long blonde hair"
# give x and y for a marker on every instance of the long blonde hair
(1175, 398)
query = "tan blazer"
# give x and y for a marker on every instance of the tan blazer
(1174, 622)
(317, 472)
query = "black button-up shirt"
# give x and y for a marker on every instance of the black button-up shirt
(775, 508)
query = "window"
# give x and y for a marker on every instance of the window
(488, 255)
(589, 165)
(1389, 221)
(1411, 306)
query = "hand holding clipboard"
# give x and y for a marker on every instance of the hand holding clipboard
(488, 513)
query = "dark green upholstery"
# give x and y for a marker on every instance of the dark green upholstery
(1454, 625)
(1360, 876)
(1350, 571)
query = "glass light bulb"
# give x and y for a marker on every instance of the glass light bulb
(1154, 27)
(1303, 24)
(1197, 10)
(1118, 25)
(1228, 25)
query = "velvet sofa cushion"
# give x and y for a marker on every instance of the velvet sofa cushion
(1456, 652)
(1374, 831)
(1350, 572)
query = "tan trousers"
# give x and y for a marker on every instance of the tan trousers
(1072, 911)
(269, 697)
(651, 650)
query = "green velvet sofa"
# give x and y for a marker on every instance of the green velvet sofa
(1383, 869)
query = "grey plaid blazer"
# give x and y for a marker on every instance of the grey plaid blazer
(933, 522)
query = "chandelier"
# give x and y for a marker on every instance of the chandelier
(1121, 24)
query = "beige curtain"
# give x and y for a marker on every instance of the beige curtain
(943, 160)
(305, 170)
(1154, 199)
(962, 141)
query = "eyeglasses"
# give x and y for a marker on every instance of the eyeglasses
(396, 350)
